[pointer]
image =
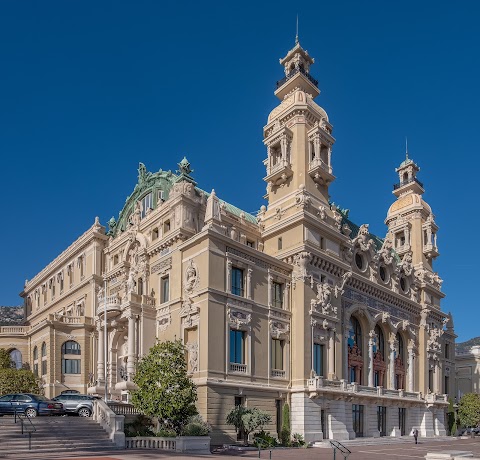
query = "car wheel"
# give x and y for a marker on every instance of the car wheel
(84, 412)
(30, 412)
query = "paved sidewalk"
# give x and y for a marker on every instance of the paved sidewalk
(401, 451)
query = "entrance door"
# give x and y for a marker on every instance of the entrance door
(357, 416)
(382, 420)
(323, 416)
(401, 420)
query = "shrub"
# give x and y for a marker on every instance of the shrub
(196, 426)
(247, 419)
(141, 426)
(165, 433)
(285, 433)
(264, 439)
(469, 409)
(297, 440)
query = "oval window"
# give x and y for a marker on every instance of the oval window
(403, 284)
(359, 261)
(383, 273)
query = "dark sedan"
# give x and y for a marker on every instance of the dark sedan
(30, 405)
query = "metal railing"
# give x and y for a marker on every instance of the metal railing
(293, 73)
(408, 181)
(28, 428)
(341, 448)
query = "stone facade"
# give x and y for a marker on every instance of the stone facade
(467, 369)
(297, 304)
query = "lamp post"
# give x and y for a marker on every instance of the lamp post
(105, 342)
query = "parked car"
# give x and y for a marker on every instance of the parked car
(468, 431)
(76, 403)
(70, 392)
(29, 404)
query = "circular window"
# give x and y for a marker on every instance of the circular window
(403, 284)
(383, 273)
(359, 261)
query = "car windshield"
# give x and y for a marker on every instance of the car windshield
(41, 398)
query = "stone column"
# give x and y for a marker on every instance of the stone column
(131, 346)
(345, 356)
(269, 290)
(371, 342)
(436, 374)
(411, 356)
(100, 355)
(331, 355)
(392, 344)
(229, 276)
(249, 283)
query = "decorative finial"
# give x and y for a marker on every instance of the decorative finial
(296, 36)
(406, 148)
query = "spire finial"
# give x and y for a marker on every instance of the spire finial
(406, 148)
(296, 36)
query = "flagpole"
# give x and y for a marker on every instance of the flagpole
(106, 337)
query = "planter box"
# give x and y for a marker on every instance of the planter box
(194, 444)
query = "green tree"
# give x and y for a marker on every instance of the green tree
(164, 389)
(469, 410)
(5, 361)
(247, 419)
(19, 381)
(285, 434)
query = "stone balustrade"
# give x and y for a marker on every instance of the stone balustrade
(14, 329)
(318, 385)
(112, 423)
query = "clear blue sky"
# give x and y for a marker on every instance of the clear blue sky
(90, 88)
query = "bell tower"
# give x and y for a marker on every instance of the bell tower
(298, 135)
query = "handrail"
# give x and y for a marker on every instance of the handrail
(338, 446)
(22, 416)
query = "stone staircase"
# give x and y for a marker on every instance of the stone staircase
(52, 435)
(384, 440)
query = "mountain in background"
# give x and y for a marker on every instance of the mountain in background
(11, 316)
(464, 347)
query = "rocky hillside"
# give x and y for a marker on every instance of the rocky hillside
(464, 347)
(9, 316)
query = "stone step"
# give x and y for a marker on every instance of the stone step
(384, 440)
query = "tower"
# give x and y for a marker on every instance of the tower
(298, 135)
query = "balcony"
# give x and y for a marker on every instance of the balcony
(76, 320)
(278, 173)
(278, 373)
(240, 368)
(14, 330)
(112, 303)
(295, 72)
(410, 184)
(430, 251)
(320, 171)
(318, 386)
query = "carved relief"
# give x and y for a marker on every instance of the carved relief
(321, 303)
(362, 240)
(238, 319)
(192, 349)
(279, 330)
(191, 277)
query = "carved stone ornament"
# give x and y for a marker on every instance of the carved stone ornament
(239, 319)
(339, 287)
(300, 264)
(363, 241)
(321, 303)
(337, 217)
(386, 252)
(279, 330)
(189, 313)
(192, 349)
(406, 265)
(302, 200)
(164, 322)
(162, 266)
(191, 277)
(433, 342)
(321, 212)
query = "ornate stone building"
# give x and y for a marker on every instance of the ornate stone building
(297, 304)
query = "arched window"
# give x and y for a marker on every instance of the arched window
(44, 358)
(71, 364)
(16, 358)
(399, 363)
(35, 361)
(379, 341)
(355, 335)
(354, 343)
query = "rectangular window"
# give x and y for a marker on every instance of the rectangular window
(61, 284)
(155, 233)
(382, 420)
(237, 346)
(35, 369)
(53, 289)
(44, 367)
(447, 351)
(430, 380)
(71, 366)
(280, 243)
(147, 203)
(357, 416)
(402, 417)
(447, 385)
(237, 281)
(277, 354)
(277, 294)
(278, 416)
(166, 226)
(165, 289)
(318, 358)
(250, 243)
